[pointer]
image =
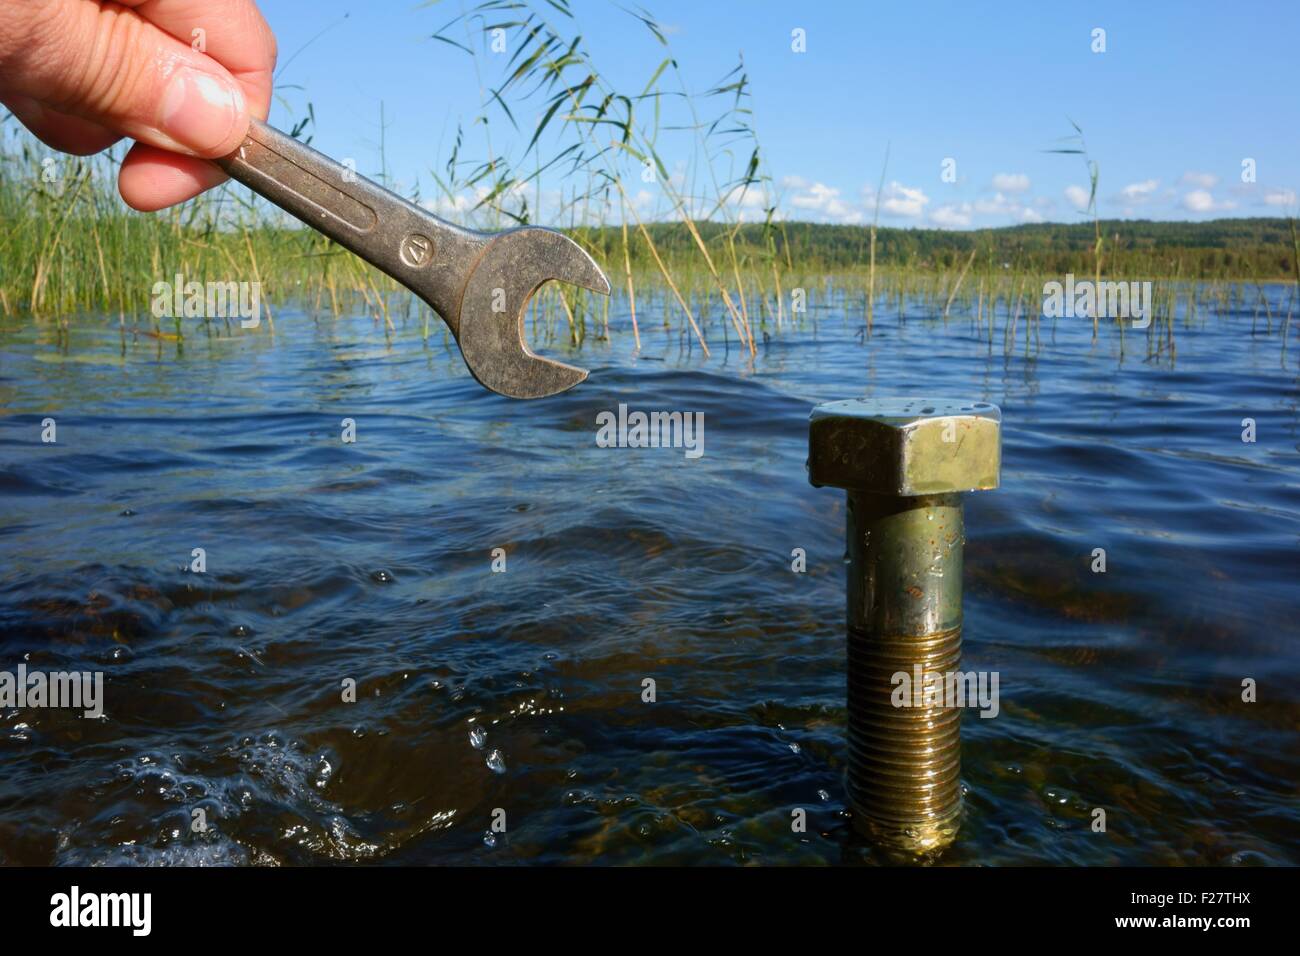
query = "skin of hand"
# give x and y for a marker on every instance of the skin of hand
(180, 77)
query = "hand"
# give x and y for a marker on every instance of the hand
(81, 74)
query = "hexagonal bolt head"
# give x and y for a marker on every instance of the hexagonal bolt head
(905, 446)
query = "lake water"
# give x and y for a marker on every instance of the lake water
(521, 691)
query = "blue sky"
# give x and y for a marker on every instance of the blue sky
(1182, 95)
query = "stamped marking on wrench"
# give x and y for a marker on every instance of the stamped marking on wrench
(416, 250)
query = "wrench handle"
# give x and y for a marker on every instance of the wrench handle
(410, 244)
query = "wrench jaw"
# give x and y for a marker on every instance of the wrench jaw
(491, 322)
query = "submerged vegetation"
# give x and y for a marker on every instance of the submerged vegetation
(696, 246)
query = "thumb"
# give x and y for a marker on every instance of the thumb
(107, 64)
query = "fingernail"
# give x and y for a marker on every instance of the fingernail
(200, 109)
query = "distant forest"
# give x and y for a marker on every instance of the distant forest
(1217, 249)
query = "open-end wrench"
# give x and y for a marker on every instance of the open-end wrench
(479, 282)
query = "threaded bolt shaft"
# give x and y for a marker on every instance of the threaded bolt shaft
(904, 617)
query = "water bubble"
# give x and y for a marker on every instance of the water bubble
(496, 763)
(1250, 858)
(381, 576)
(489, 838)
(477, 738)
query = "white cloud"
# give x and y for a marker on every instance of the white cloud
(749, 206)
(1201, 200)
(464, 206)
(1200, 180)
(819, 202)
(952, 216)
(999, 205)
(1140, 192)
(1078, 197)
(1011, 182)
(906, 202)
(824, 202)
(449, 207)
(1280, 197)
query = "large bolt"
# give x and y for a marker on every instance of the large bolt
(905, 463)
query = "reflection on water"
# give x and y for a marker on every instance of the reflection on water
(521, 691)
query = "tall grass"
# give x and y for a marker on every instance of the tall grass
(1079, 147)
